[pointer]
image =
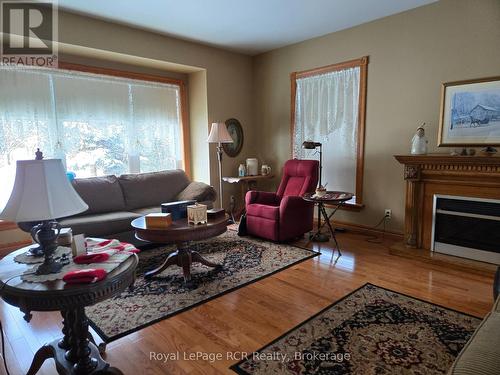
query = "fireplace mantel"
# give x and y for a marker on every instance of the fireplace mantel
(427, 175)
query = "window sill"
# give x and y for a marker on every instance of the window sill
(348, 206)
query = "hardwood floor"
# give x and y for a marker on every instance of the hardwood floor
(248, 318)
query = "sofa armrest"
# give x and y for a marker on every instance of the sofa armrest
(198, 191)
(262, 197)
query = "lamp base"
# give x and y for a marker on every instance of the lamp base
(45, 234)
(48, 268)
(36, 251)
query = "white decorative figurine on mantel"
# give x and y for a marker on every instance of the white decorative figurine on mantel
(419, 142)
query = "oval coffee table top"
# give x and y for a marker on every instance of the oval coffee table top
(180, 230)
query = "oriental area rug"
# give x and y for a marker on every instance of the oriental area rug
(370, 331)
(244, 260)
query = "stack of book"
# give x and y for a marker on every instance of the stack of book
(158, 220)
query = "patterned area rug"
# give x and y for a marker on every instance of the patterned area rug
(245, 260)
(371, 331)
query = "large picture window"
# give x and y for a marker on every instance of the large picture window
(97, 124)
(328, 106)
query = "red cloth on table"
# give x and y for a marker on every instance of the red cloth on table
(91, 258)
(91, 275)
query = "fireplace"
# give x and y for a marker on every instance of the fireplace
(474, 180)
(467, 227)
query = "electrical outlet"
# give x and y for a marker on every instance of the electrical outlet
(388, 213)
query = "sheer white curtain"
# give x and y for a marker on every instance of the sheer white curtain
(93, 115)
(96, 124)
(326, 111)
(26, 113)
(156, 127)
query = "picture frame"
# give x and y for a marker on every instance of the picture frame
(236, 132)
(470, 113)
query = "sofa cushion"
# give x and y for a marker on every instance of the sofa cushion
(481, 354)
(148, 210)
(265, 211)
(96, 225)
(102, 194)
(198, 191)
(149, 189)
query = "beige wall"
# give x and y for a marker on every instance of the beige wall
(220, 79)
(219, 83)
(410, 55)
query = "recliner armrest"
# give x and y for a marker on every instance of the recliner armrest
(293, 203)
(198, 191)
(262, 197)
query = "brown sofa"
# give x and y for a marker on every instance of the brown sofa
(115, 201)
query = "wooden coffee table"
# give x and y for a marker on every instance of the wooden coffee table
(182, 234)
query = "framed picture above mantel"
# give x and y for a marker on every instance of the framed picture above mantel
(470, 113)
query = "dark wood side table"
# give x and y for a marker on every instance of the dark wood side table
(246, 183)
(73, 353)
(333, 198)
(181, 233)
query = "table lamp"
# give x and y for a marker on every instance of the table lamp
(42, 193)
(310, 145)
(219, 134)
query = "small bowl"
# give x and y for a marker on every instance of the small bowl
(320, 192)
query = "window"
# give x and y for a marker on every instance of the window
(97, 124)
(328, 106)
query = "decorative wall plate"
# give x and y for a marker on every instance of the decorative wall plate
(236, 131)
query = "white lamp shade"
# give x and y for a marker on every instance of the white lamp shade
(219, 133)
(41, 192)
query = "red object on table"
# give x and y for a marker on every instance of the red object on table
(284, 215)
(91, 258)
(91, 275)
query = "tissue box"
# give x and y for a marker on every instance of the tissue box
(158, 220)
(197, 214)
(177, 209)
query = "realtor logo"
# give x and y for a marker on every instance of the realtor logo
(29, 31)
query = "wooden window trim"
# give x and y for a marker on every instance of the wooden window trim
(186, 142)
(362, 63)
(7, 225)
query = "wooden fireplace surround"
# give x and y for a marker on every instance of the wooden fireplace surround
(427, 175)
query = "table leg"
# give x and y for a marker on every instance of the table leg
(183, 257)
(85, 364)
(184, 260)
(42, 354)
(171, 259)
(332, 230)
(73, 354)
(69, 318)
(65, 342)
(318, 236)
(241, 210)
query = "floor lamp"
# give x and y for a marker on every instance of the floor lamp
(219, 135)
(309, 145)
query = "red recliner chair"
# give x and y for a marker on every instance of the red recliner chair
(284, 215)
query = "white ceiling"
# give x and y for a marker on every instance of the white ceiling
(247, 26)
